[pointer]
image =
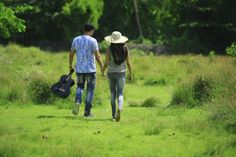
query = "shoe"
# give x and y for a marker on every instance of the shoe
(113, 118)
(88, 115)
(118, 115)
(75, 109)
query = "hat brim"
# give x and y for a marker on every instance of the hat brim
(122, 39)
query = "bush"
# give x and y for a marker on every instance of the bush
(193, 93)
(39, 91)
(183, 95)
(211, 55)
(231, 50)
(150, 102)
(13, 95)
(202, 89)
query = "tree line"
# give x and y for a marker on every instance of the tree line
(184, 25)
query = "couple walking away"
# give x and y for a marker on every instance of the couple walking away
(87, 51)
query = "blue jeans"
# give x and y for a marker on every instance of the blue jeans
(90, 78)
(117, 84)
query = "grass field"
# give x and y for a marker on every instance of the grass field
(161, 116)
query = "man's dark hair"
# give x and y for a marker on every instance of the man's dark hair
(88, 27)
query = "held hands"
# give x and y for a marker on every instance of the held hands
(103, 68)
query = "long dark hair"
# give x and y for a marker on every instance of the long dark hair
(119, 52)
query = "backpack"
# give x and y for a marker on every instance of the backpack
(119, 53)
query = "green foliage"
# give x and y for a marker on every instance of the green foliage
(202, 89)
(39, 91)
(184, 25)
(193, 93)
(212, 55)
(142, 40)
(79, 12)
(13, 95)
(231, 50)
(103, 46)
(9, 22)
(183, 95)
(150, 102)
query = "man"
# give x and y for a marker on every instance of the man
(86, 49)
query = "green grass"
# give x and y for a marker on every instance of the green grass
(149, 126)
(48, 131)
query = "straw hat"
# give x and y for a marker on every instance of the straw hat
(116, 37)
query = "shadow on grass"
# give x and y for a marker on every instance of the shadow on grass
(81, 118)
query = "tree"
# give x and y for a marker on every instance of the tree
(137, 18)
(197, 25)
(76, 13)
(9, 22)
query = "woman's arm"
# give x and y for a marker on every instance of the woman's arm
(128, 65)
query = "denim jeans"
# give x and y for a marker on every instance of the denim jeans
(117, 84)
(90, 78)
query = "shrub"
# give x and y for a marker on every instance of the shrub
(150, 102)
(231, 50)
(13, 95)
(193, 93)
(39, 91)
(211, 55)
(202, 89)
(183, 95)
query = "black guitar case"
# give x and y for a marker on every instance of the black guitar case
(62, 87)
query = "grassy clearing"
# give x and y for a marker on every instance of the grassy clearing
(47, 131)
(200, 123)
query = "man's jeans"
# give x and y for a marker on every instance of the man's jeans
(90, 78)
(116, 83)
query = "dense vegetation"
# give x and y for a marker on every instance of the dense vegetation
(184, 25)
(175, 106)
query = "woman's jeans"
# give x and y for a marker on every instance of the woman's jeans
(90, 78)
(116, 83)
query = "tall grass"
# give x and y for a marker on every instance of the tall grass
(194, 93)
(203, 88)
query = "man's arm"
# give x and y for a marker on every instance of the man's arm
(106, 61)
(99, 59)
(71, 57)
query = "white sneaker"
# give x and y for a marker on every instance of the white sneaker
(75, 109)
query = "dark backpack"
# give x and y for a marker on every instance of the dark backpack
(119, 53)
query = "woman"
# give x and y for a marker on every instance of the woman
(116, 56)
